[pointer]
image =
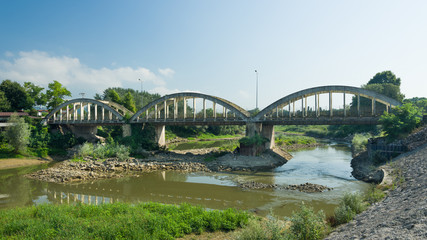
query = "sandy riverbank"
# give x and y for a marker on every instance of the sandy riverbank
(9, 163)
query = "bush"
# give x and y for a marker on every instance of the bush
(293, 139)
(350, 205)
(99, 151)
(254, 140)
(373, 194)
(18, 135)
(258, 229)
(401, 121)
(305, 224)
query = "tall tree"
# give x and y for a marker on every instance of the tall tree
(129, 103)
(55, 94)
(35, 93)
(16, 95)
(112, 95)
(385, 77)
(18, 134)
(4, 103)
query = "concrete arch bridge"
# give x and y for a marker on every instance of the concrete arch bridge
(305, 107)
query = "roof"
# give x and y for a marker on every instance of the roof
(8, 114)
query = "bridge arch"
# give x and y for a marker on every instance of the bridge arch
(181, 108)
(87, 111)
(273, 110)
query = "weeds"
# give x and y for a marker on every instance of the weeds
(350, 205)
(373, 194)
(99, 151)
(115, 221)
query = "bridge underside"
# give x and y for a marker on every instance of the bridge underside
(191, 122)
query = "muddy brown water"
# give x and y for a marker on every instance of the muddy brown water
(327, 165)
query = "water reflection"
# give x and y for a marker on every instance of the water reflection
(329, 165)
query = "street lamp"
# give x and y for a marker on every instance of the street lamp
(142, 95)
(256, 72)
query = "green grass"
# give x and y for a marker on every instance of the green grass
(311, 130)
(212, 136)
(282, 139)
(115, 221)
(224, 145)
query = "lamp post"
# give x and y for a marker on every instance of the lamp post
(142, 95)
(256, 72)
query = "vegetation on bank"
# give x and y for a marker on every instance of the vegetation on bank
(286, 140)
(115, 221)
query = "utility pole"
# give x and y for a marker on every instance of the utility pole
(256, 72)
(142, 94)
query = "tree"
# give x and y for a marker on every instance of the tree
(385, 77)
(35, 94)
(18, 134)
(112, 95)
(16, 95)
(55, 94)
(129, 103)
(387, 89)
(401, 121)
(4, 103)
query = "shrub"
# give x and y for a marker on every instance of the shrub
(401, 121)
(306, 224)
(18, 135)
(373, 194)
(99, 151)
(350, 205)
(254, 140)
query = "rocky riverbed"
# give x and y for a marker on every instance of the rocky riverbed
(71, 171)
(403, 213)
(305, 187)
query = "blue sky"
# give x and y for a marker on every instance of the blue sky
(214, 47)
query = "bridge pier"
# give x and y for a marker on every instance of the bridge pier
(86, 132)
(160, 135)
(127, 130)
(264, 130)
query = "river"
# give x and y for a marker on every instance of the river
(327, 165)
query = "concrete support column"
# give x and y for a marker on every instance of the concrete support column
(86, 132)
(185, 108)
(160, 135)
(223, 112)
(127, 130)
(96, 112)
(373, 106)
(253, 128)
(164, 110)
(74, 112)
(302, 106)
(204, 109)
(68, 113)
(214, 110)
(82, 113)
(306, 106)
(155, 112)
(103, 114)
(289, 108)
(293, 107)
(268, 132)
(88, 111)
(315, 104)
(60, 115)
(330, 104)
(345, 111)
(194, 109)
(358, 105)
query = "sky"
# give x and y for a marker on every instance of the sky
(213, 47)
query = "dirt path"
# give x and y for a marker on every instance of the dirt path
(20, 162)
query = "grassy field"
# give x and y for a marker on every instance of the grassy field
(115, 221)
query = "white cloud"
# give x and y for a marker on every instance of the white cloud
(41, 68)
(167, 72)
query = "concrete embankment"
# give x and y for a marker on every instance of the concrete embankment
(403, 213)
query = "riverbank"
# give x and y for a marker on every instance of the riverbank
(9, 163)
(89, 169)
(403, 213)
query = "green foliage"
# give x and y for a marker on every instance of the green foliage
(39, 139)
(18, 134)
(373, 194)
(4, 103)
(99, 151)
(385, 77)
(15, 95)
(115, 221)
(137, 96)
(350, 205)
(55, 94)
(401, 121)
(306, 224)
(35, 94)
(258, 229)
(129, 103)
(421, 103)
(387, 89)
(293, 139)
(62, 141)
(359, 142)
(342, 131)
(254, 140)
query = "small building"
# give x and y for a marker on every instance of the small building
(4, 117)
